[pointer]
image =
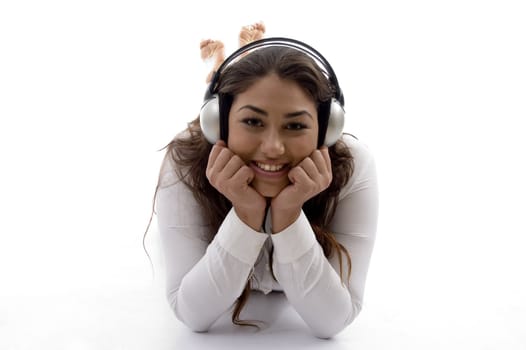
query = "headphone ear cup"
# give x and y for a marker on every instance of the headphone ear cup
(209, 119)
(335, 124)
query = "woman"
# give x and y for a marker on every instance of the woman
(268, 206)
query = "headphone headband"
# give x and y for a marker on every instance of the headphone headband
(285, 42)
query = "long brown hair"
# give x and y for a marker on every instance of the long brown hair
(189, 151)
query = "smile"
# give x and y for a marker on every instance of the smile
(270, 167)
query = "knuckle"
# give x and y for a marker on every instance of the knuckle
(212, 180)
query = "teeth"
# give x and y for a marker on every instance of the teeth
(270, 167)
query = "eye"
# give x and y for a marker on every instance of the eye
(253, 122)
(295, 126)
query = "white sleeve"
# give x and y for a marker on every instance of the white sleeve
(203, 279)
(311, 281)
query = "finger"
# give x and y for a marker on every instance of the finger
(222, 159)
(327, 157)
(323, 161)
(211, 160)
(243, 176)
(299, 177)
(309, 167)
(232, 167)
(216, 149)
(320, 162)
(214, 170)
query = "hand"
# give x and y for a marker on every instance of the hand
(232, 177)
(310, 177)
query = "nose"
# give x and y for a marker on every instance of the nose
(272, 145)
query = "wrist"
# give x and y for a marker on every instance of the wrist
(251, 217)
(283, 218)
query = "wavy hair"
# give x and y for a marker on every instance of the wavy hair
(189, 150)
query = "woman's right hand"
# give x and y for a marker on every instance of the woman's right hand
(228, 173)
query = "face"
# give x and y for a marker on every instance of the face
(273, 126)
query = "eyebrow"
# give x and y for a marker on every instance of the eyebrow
(263, 112)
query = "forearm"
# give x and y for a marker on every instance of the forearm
(310, 282)
(210, 286)
(209, 289)
(317, 293)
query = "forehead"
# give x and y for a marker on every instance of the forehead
(273, 90)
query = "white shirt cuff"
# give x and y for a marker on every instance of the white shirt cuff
(294, 241)
(239, 239)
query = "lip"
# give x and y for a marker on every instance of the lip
(270, 174)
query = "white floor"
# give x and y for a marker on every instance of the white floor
(139, 319)
(133, 316)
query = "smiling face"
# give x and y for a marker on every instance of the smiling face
(273, 126)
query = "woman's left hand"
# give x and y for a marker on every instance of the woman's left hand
(310, 177)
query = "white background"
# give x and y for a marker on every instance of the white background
(91, 90)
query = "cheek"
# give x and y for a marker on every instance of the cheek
(302, 148)
(240, 142)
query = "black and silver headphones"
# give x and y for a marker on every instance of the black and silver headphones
(209, 117)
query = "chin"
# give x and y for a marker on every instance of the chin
(267, 190)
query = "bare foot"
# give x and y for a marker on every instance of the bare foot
(212, 49)
(251, 33)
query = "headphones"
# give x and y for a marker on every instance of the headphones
(209, 116)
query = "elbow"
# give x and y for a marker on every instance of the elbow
(324, 335)
(328, 332)
(196, 327)
(329, 329)
(188, 318)
(192, 324)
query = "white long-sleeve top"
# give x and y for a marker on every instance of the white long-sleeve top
(203, 280)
